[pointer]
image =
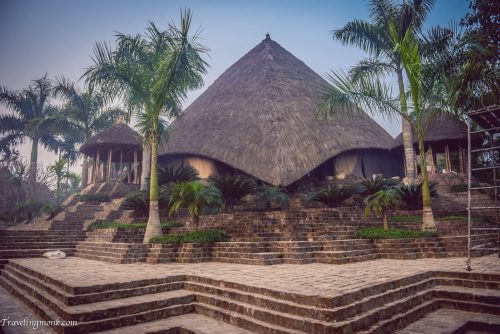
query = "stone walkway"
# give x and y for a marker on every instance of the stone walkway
(313, 279)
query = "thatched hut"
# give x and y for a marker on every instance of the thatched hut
(445, 145)
(260, 118)
(115, 154)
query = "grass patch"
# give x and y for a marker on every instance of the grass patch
(380, 233)
(101, 224)
(97, 197)
(405, 219)
(460, 218)
(204, 236)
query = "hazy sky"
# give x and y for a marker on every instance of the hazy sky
(56, 36)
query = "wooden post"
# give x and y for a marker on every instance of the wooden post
(447, 157)
(110, 155)
(97, 164)
(431, 160)
(121, 166)
(416, 161)
(136, 178)
(128, 171)
(461, 158)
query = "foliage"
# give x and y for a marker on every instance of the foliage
(411, 194)
(233, 188)
(405, 219)
(103, 224)
(30, 209)
(380, 233)
(381, 202)
(270, 197)
(97, 197)
(170, 175)
(203, 236)
(194, 196)
(333, 195)
(373, 185)
(460, 218)
(139, 202)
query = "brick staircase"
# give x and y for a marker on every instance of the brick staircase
(379, 308)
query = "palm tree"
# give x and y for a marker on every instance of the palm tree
(194, 196)
(374, 38)
(30, 107)
(57, 169)
(85, 114)
(381, 202)
(153, 73)
(429, 97)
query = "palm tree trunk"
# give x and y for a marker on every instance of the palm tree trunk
(146, 166)
(85, 172)
(385, 221)
(428, 223)
(33, 164)
(58, 190)
(196, 222)
(409, 154)
(153, 227)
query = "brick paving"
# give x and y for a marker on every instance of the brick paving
(313, 279)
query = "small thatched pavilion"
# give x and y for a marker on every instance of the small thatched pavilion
(260, 118)
(445, 145)
(115, 154)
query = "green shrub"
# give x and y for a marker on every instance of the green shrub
(380, 233)
(138, 201)
(411, 195)
(269, 197)
(170, 175)
(460, 218)
(405, 219)
(97, 197)
(333, 195)
(203, 236)
(374, 185)
(233, 188)
(29, 209)
(101, 224)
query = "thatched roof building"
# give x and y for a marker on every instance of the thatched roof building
(260, 117)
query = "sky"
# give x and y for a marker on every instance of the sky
(57, 36)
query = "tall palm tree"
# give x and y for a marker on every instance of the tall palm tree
(429, 97)
(153, 73)
(85, 113)
(30, 107)
(374, 38)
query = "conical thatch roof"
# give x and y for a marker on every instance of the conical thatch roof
(259, 117)
(118, 136)
(442, 129)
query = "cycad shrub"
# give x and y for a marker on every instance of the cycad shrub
(270, 197)
(333, 195)
(411, 194)
(233, 188)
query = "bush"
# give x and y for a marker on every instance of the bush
(269, 197)
(405, 219)
(411, 195)
(233, 188)
(374, 185)
(380, 233)
(97, 197)
(29, 209)
(170, 175)
(139, 202)
(203, 236)
(54, 211)
(333, 195)
(460, 218)
(102, 224)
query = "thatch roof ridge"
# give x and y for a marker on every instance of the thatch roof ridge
(119, 135)
(259, 116)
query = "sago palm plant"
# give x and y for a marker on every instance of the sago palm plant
(381, 202)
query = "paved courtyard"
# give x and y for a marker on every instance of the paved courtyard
(313, 279)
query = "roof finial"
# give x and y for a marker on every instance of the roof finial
(120, 119)
(268, 37)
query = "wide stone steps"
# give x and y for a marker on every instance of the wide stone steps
(26, 252)
(112, 252)
(36, 245)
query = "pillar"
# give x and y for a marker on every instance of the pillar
(97, 167)
(461, 158)
(121, 166)
(128, 172)
(136, 178)
(110, 155)
(431, 160)
(447, 157)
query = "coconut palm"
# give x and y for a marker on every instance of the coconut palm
(85, 113)
(153, 73)
(30, 107)
(194, 196)
(381, 202)
(374, 38)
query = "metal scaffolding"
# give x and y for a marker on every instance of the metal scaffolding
(488, 119)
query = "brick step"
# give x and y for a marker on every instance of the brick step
(242, 321)
(111, 258)
(268, 261)
(24, 253)
(36, 245)
(177, 307)
(344, 260)
(172, 283)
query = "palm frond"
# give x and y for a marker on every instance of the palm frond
(369, 68)
(368, 37)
